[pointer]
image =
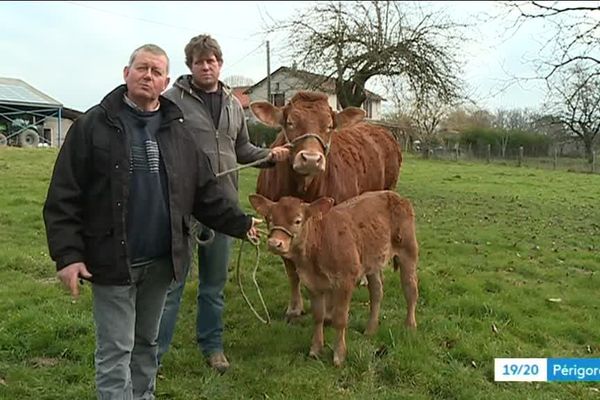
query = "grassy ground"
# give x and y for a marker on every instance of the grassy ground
(497, 243)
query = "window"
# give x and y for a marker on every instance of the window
(367, 105)
(278, 99)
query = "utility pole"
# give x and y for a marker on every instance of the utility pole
(268, 73)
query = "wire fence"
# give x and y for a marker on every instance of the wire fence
(517, 159)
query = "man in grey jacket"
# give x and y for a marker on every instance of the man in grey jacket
(216, 119)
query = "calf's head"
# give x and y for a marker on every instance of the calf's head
(287, 218)
(308, 124)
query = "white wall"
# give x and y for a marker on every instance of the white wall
(283, 82)
(52, 123)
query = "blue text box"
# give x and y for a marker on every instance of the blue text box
(573, 370)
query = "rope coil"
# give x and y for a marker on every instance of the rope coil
(254, 241)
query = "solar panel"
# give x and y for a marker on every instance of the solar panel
(14, 90)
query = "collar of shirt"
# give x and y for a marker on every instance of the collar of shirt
(131, 104)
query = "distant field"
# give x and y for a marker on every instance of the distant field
(497, 242)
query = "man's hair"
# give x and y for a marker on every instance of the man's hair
(150, 48)
(202, 45)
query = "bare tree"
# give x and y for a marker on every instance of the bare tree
(461, 119)
(507, 121)
(427, 113)
(577, 104)
(574, 34)
(353, 42)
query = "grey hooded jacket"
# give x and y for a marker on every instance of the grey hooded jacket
(225, 146)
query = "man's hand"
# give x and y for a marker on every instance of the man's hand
(279, 153)
(253, 234)
(70, 275)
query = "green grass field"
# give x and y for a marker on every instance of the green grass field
(497, 243)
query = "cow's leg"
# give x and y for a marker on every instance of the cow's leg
(328, 307)
(375, 296)
(364, 281)
(341, 298)
(295, 307)
(317, 304)
(407, 260)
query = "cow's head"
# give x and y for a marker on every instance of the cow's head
(308, 123)
(287, 218)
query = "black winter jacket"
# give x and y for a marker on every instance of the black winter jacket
(85, 209)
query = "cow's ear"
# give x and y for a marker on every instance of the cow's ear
(267, 113)
(349, 116)
(261, 204)
(320, 206)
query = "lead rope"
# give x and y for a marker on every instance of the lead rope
(255, 242)
(252, 164)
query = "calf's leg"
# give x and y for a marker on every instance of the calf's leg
(375, 296)
(341, 299)
(317, 303)
(328, 307)
(295, 306)
(406, 260)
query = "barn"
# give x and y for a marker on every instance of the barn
(285, 82)
(31, 118)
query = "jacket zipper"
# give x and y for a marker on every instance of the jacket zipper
(191, 93)
(121, 136)
(218, 151)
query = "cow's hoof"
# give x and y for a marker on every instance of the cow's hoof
(338, 361)
(371, 329)
(314, 354)
(293, 315)
(411, 325)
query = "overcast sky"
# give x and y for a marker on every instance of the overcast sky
(75, 51)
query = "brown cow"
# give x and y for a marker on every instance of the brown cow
(333, 247)
(333, 155)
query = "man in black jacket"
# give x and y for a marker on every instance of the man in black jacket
(125, 183)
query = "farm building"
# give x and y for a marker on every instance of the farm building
(30, 118)
(285, 82)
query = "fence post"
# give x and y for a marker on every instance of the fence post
(520, 156)
(489, 153)
(555, 158)
(593, 161)
(456, 150)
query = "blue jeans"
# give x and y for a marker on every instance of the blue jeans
(127, 319)
(213, 260)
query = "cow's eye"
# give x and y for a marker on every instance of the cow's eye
(330, 128)
(289, 124)
(298, 221)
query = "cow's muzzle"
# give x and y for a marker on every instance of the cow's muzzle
(308, 162)
(279, 245)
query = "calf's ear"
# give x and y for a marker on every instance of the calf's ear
(349, 116)
(267, 113)
(261, 204)
(320, 206)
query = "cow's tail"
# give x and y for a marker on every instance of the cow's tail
(403, 229)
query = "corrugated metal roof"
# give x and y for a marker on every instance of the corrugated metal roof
(18, 92)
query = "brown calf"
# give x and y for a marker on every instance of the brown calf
(332, 247)
(334, 154)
